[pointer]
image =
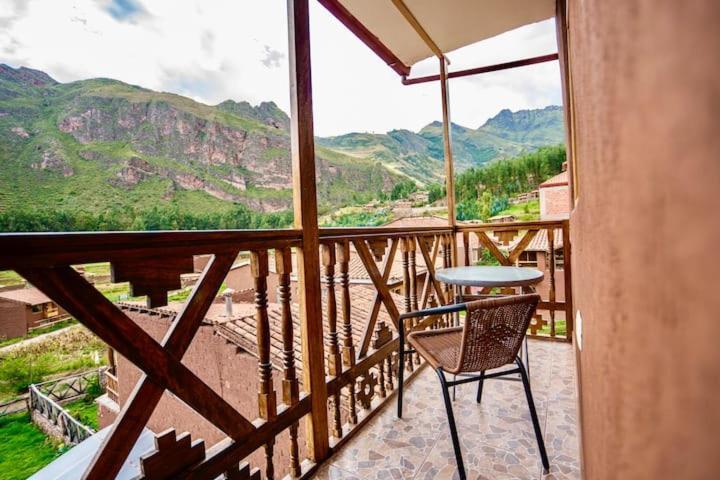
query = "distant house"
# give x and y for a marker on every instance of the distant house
(25, 309)
(555, 198)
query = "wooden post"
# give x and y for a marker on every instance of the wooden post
(305, 208)
(449, 170)
(562, 43)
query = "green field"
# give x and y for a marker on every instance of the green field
(75, 351)
(24, 449)
(524, 212)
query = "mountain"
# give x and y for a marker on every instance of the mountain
(98, 144)
(420, 155)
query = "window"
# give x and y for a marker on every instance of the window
(528, 259)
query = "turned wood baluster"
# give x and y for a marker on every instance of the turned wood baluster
(389, 365)
(412, 262)
(348, 349)
(266, 393)
(551, 260)
(466, 254)
(404, 248)
(412, 265)
(334, 359)
(446, 264)
(290, 390)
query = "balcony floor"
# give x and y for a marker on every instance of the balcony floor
(497, 436)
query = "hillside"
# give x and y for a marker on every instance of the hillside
(101, 144)
(103, 148)
(420, 155)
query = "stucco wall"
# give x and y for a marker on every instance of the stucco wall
(645, 233)
(554, 202)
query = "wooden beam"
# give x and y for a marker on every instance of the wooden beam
(449, 170)
(365, 35)
(486, 69)
(305, 208)
(415, 24)
(562, 43)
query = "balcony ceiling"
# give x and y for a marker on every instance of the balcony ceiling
(450, 24)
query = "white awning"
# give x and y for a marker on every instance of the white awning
(451, 24)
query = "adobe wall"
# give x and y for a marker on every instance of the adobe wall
(12, 319)
(645, 233)
(554, 202)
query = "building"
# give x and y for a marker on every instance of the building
(25, 309)
(555, 197)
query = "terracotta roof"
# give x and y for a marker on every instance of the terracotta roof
(28, 296)
(241, 330)
(556, 181)
(540, 242)
(429, 221)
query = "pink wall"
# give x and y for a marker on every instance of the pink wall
(645, 233)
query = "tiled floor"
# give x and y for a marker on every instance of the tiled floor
(497, 436)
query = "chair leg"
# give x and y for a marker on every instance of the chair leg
(533, 415)
(451, 423)
(480, 386)
(454, 378)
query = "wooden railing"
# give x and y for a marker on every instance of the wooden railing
(68, 427)
(360, 357)
(506, 242)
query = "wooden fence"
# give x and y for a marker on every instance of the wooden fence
(71, 430)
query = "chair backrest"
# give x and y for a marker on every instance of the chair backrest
(494, 330)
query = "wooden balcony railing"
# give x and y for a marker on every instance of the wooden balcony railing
(360, 358)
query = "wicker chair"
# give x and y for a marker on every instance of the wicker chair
(490, 338)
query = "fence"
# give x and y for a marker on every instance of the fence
(71, 430)
(60, 390)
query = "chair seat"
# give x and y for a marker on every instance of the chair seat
(441, 348)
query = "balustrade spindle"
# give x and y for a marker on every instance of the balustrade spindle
(412, 263)
(404, 248)
(291, 390)
(266, 394)
(334, 359)
(551, 259)
(446, 259)
(466, 254)
(348, 350)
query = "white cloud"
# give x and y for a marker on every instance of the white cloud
(212, 50)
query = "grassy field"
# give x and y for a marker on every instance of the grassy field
(24, 449)
(524, 212)
(9, 277)
(84, 411)
(61, 355)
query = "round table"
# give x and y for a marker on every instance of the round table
(483, 276)
(492, 277)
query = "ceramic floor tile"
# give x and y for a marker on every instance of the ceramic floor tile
(497, 436)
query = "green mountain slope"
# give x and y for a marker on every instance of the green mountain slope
(420, 155)
(100, 145)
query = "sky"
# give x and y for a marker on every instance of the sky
(213, 50)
